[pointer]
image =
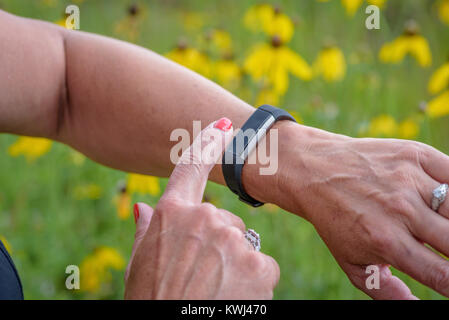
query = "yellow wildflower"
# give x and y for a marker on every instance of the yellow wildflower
(191, 58)
(143, 184)
(95, 268)
(408, 129)
(272, 63)
(440, 79)
(330, 64)
(62, 23)
(379, 3)
(123, 203)
(6, 244)
(222, 40)
(443, 11)
(31, 148)
(227, 73)
(411, 42)
(270, 20)
(439, 106)
(352, 6)
(88, 191)
(267, 96)
(383, 126)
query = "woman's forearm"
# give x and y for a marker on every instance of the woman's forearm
(115, 102)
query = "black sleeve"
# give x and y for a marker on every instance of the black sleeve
(10, 285)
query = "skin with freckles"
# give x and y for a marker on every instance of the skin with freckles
(369, 199)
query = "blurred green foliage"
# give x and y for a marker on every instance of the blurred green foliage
(48, 228)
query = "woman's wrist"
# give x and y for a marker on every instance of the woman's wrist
(286, 187)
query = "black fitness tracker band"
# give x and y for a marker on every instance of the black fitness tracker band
(245, 141)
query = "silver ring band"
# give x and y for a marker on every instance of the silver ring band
(438, 196)
(253, 238)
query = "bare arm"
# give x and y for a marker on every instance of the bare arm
(109, 99)
(369, 199)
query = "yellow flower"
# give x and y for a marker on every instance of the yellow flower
(191, 58)
(440, 79)
(123, 204)
(271, 21)
(267, 96)
(352, 6)
(95, 268)
(227, 73)
(383, 126)
(31, 148)
(271, 64)
(6, 244)
(379, 3)
(330, 64)
(89, 191)
(443, 11)
(439, 106)
(222, 40)
(411, 42)
(408, 129)
(143, 184)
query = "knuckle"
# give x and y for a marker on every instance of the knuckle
(439, 279)
(383, 242)
(207, 211)
(256, 262)
(230, 234)
(167, 205)
(399, 203)
(409, 151)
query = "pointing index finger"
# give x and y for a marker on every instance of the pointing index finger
(188, 179)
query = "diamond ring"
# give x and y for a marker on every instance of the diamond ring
(439, 195)
(253, 238)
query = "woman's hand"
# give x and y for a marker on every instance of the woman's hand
(193, 250)
(369, 200)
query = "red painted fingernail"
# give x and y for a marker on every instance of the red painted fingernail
(136, 213)
(224, 124)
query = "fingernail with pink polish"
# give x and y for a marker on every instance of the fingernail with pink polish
(136, 212)
(224, 124)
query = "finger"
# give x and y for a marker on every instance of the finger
(425, 186)
(435, 164)
(389, 287)
(189, 178)
(142, 216)
(232, 219)
(422, 264)
(269, 267)
(432, 228)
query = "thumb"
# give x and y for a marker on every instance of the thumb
(142, 216)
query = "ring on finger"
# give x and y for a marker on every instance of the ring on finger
(253, 238)
(439, 195)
